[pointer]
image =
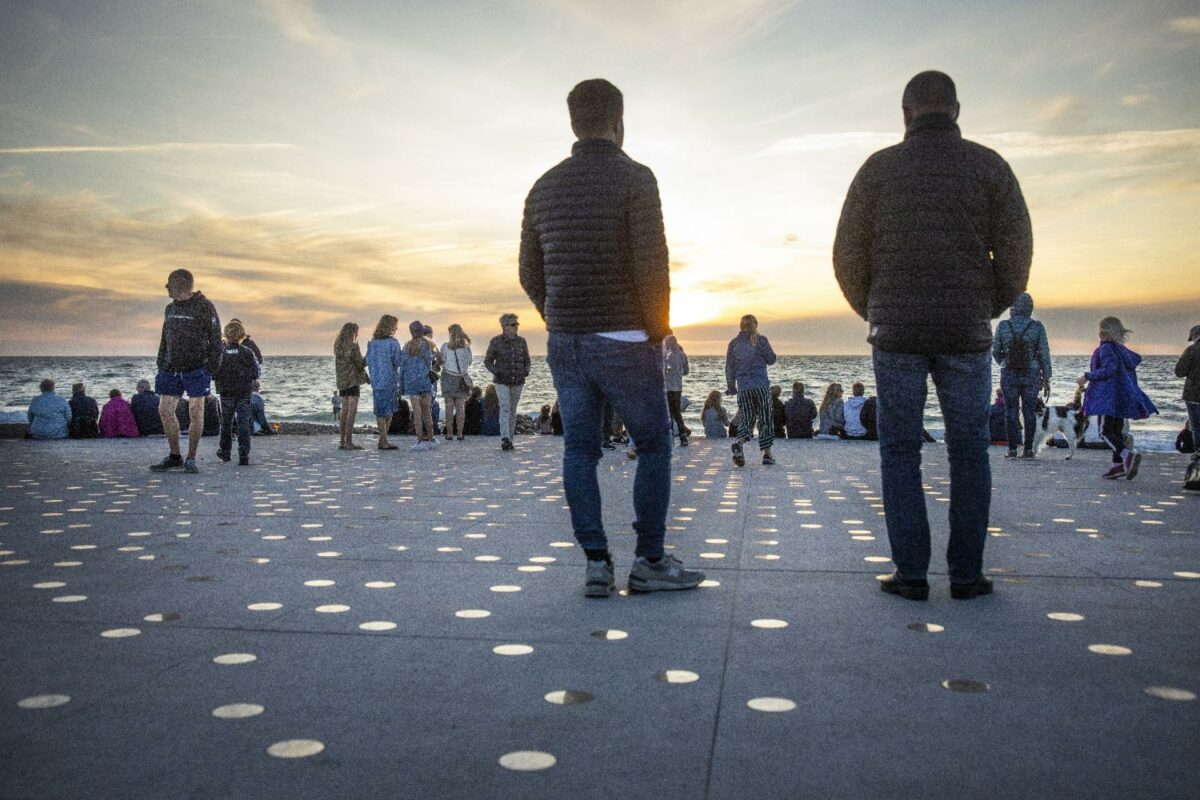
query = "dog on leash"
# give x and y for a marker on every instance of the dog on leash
(1053, 420)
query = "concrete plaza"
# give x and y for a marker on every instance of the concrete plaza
(411, 625)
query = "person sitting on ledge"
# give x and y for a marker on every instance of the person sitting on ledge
(145, 409)
(800, 412)
(49, 414)
(85, 414)
(116, 420)
(258, 411)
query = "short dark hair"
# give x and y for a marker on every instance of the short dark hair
(858, 389)
(183, 277)
(47, 385)
(931, 91)
(76, 387)
(594, 106)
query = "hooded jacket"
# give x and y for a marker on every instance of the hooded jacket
(1032, 333)
(191, 336)
(934, 241)
(237, 372)
(593, 255)
(1113, 389)
(116, 419)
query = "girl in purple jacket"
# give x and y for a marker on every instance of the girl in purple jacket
(1113, 392)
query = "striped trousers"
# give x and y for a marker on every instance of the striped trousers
(754, 406)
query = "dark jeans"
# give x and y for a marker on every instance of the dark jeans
(231, 406)
(964, 387)
(1113, 433)
(587, 370)
(1022, 386)
(1193, 410)
(676, 412)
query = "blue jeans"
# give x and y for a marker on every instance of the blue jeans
(231, 406)
(587, 370)
(964, 388)
(1023, 386)
(1193, 410)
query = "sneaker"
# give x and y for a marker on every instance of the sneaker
(1012, 453)
(909, 590)
(224, 455)
(1191, 478)
(599, 579)
(244, 460)
(189, 466)
(172, 461)
(1114, 472)
(431, 444)
(1132, 462)
(665, 575)
(768, 461)
(1027, 453)
(739, 455)
(683, 439)
(631, 453)
(418, 447)
(506, 444)
(608, 445)
(968, 591)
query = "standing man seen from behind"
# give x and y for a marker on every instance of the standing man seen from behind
(508, 360)
(189, 352)
(594, 263)
(1023, 353)
(933, 243)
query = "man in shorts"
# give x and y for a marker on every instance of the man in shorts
(188, 354)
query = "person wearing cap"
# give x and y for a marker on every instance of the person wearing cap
(1188, 368)
(508, 360)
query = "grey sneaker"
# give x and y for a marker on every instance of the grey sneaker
(189, 466)
(667, 574)
(599, 581)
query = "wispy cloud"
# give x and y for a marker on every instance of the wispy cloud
(299, 21)
(823, 142)
(1135, 100)
(159, 147)
(1014, 144)
(678, 20)
(1185, 24)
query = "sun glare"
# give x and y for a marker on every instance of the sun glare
(693, 307)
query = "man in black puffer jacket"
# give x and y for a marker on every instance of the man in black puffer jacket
(933, 243)
(594, 262)
(189, 352)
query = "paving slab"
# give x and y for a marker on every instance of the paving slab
(370, 624)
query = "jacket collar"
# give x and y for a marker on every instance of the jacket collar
(929, 123)
(594, 146)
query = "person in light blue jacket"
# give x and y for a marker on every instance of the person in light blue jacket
(416, 362)
(383, 358)
(746, 363)
(49, 414)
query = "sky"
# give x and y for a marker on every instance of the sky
(314, 163)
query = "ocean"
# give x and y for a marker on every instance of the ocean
(299, 388)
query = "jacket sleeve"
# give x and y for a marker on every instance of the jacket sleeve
(648, 249)
(489, 360)
(1000, 343)
(531, 260)
(1011, 242)
(1106, 365)
(1043, 352)
(161, 362)
(686, 369)
(852, 244)
(730, 368)
(525, 362)
(214, 338)
(765, 350)
(1185, 363)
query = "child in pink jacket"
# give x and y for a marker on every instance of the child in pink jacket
(116, 419)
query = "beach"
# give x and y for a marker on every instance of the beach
(369, 624)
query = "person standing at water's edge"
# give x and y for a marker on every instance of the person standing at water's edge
(1188, 368)
(189, 352)
(746, 361)
(350, 369)
(675, 367)
(1113, 393)
(507, 359)
(593, 260)
(1023, 353)
(934, 242)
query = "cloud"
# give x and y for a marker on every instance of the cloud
(732, 21)
(1134, 100)
(1185, 24)
(298, 21)
(823, 142)
(160, 147)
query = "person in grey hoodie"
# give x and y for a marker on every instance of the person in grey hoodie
(746, 363)
(675, 366)
(1023, 353)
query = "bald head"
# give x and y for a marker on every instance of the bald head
(929, 92)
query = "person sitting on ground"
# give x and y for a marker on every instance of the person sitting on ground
(778, 411)
(401, 420)
(543, 421)
(491, 411)
(116, 419)
(49, 415)
(473, 413)
(800, 413)
(997, 427)
(212, 415)
(258, 410)
(145, 409)
(832, 413)
(85, 414)
(869, 418)
(852, 412)
(715, 417)
(556, 422)
(236, 381)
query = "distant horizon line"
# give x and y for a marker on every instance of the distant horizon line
(541, 355)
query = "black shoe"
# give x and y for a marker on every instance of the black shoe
(768, 461)
(173, 461)
(243, 460)
(224, 455)
(1027, 452)
(683, 440)
(1191, 479)
(1012, 453)
(909, 590)
(967, 591)
(608, 445)
(506, 444)
(739, 455)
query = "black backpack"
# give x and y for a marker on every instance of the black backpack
(1018, 352)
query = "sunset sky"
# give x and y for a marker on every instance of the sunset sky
(318, 162)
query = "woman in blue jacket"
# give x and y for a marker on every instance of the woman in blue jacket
(383, 357)
(415, 381)
(1113, 391)
(746, 363)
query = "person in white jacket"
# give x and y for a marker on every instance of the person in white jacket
(853, 411)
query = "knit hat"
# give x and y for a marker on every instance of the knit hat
(1194, 333)
(415, 327)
